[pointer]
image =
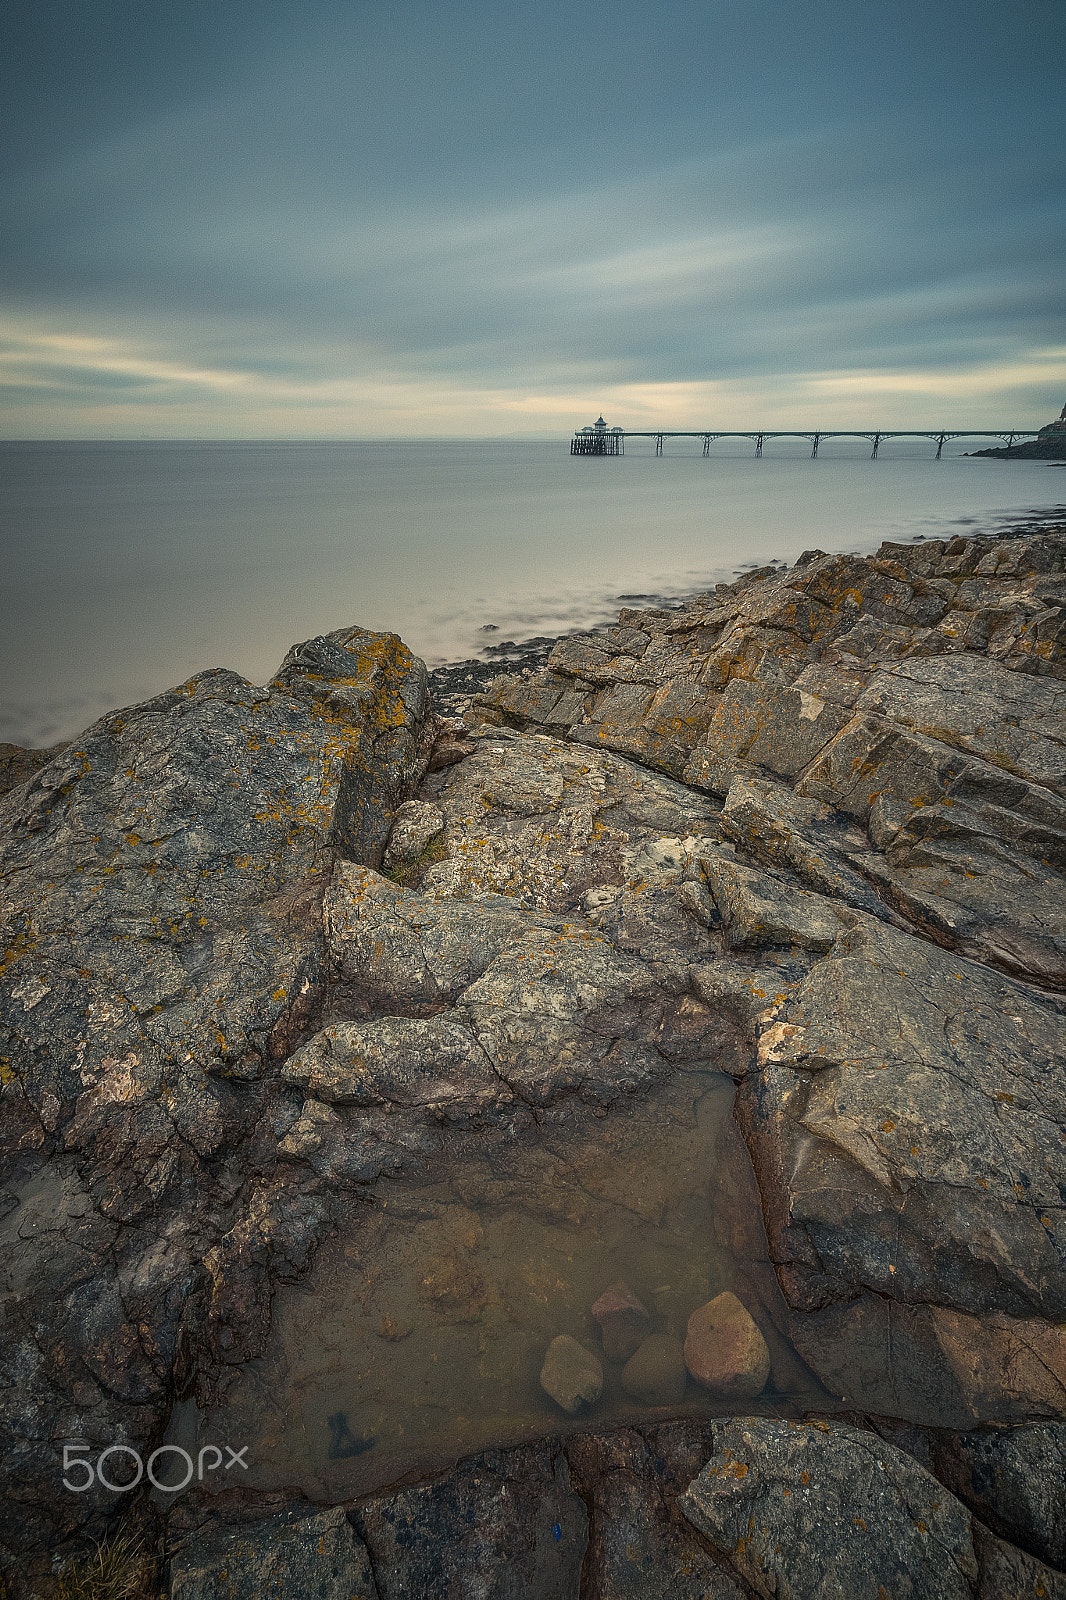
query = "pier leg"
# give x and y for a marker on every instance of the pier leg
(814, 446)
(758, 445)
(939, 446)
(1010, 441)
(706, 444)
(877, 441)
(658, 444)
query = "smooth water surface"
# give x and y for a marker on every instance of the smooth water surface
(420, 1332)
(130, 566)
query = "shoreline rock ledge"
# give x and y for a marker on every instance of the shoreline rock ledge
(266, 946)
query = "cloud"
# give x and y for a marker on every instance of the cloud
(361, 227)
(69, 377)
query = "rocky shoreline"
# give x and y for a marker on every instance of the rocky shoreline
(274, 957)
(1050, 449)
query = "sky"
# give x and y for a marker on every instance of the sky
(247, 219)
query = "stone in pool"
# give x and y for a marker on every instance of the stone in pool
(571, 1374)
(656, 1374)
(725, 1351)
(623, 1321)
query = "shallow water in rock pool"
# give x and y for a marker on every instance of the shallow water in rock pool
(419, 1334)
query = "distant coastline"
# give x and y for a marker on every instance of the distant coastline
(1049, 445)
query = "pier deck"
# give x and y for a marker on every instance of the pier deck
(600, 443)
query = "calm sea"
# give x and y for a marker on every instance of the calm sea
(128, 567)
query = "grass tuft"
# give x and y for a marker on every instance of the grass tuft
(110, 1572)
(436, 850)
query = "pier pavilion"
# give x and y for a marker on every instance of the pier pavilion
(599, 440)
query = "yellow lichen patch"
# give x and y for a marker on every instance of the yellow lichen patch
(20, 945)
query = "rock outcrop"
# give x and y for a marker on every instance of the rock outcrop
(162, 956)
(265, 948)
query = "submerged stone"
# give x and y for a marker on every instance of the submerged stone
(725, 1351)
(571, 1374)
(655, 1375)
(623, 1321)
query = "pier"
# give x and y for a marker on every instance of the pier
(600, 440)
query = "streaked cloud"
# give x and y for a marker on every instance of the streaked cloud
(487, 223)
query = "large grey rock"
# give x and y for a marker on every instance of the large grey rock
(564, 1010)
(638, 1550)
(506, 1524)
(404, 951)
(395, 1061)
(149, 869)
(18, 763)
(317, 1557)
(758, 726)
(760, 908)
(161, 955)
(916, 1103)
(1007, 1572)
(1013, 720)
(415, 827)
(747, 991)
(828, 1512)
(780, 828)
(546, 824)
(1014, 1480)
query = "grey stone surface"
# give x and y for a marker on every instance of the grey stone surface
(1008, 1573)
(778, 827)
(394, 1061)
(760, 909)
(639, 1549)
(1014, 1480)
(18, 763)
(401, 950)
(903, 1085)
(506, 1524)
(316, 1557)
(811, 1512)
